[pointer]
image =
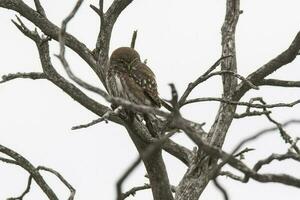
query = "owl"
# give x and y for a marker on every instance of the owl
(128, 78)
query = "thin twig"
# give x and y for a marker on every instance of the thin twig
(133, 39)
(50, 29)
(285, 136)
(21, 26)
(96, 121)
(192, 85)
(279, 157)
(99, 11)
(260, 133)
(64, 27)
(280, 83)
(146, 186)
(204, 78)
(251, 114)
(39, 8)
(240, 103)
(221, 189)
(62, 179)
(133, 190)
(294, 143)
(232, 176)
(63, 60)
(26, 191)
(9, 161)
(241, 153)
(237, 164)
(118, 101)
(260, 163)
(276, 63)
(25, 164)
(251, 85)
(30, 75)
(248, 139)
(101, 119)
(57, 174)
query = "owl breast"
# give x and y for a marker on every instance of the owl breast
(124, 86)
(114, 84)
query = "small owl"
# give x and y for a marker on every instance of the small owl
(130, 79)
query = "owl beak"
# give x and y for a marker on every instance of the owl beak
(130, 65)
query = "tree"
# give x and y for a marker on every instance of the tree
(205, 162)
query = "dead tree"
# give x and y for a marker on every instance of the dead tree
(205, 163)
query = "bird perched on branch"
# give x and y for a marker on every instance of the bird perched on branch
(130, 79)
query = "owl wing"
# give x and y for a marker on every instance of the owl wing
(145, 78)
(121, 84)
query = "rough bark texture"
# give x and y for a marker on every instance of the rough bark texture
(154, 165)
(198, 175)
(202, 163)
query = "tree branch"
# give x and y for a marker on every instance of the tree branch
(280, 178)
(25, 164)
(282, 59)
(173, 148)
(221, 189)
(101, 119)
(58, 80)
(226, 112)
(133, 39)
(100, 10)
(9, 161)
(151, 149)
(39, 8)
(278, 157)
(280, 83)
(241, 103)
(241, 153)
(50, 30)
(239, 165)
(199, 80)
(232, 176)
(196, 178)
(103, 41)
(133, 190)
(26, 191)
(178, 151)
(204, 78)
(285, 136)
(30, 75)
(116, 8)
(62, 179)
(57, 174)
(251, 114)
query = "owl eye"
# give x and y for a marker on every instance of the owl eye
(132, 64)
(120, 63)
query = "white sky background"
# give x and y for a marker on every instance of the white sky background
(180, 41)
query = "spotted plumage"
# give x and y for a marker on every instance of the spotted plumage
(129, 78)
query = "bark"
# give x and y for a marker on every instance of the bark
(24, 163)
(202, 164)
(198, 175)
(154, 163)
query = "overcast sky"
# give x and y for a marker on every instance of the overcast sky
(180, 41)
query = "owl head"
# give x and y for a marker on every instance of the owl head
(125, 58)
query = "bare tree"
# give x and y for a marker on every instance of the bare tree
(205, 163)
